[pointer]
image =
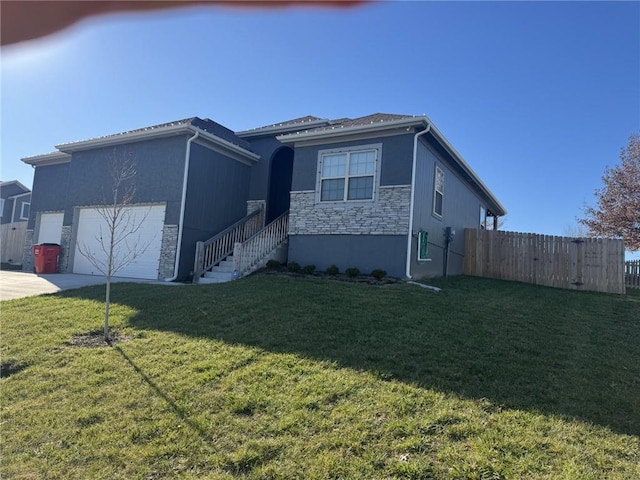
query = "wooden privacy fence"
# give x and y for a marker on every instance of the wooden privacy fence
(594, 264)
(12, 237)
(632, 273)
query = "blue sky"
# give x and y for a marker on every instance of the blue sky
(537, 97)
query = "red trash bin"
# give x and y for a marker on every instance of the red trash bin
(45, 257)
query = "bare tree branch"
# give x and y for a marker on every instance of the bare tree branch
(121, 244)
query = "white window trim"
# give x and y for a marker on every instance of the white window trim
(436, 191)
(22, 217)
(376, 174)
(483, 217)
(1, 206)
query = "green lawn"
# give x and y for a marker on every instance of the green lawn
(276, 377)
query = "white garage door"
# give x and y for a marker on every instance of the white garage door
(50, 230)
(139, 232)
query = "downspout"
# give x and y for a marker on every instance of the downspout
(182, 207)
(413, 197)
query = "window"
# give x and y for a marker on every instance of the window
(1, 206)
(483, 217)
(438, 192)
(26, 208)
(347, 175)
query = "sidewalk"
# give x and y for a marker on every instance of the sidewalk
(22, 284)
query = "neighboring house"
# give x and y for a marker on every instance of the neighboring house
(381, 191)
(15, 203)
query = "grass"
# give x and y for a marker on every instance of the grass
(276, 378)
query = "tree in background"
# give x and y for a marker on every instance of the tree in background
(617, 213)
(118, 238)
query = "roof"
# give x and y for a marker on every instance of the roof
(205, 125)
(348, 126)
(209, 132)
(286, 126)
(385, 122)
(8, 183)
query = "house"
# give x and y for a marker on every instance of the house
(382, 191)
(15, 203)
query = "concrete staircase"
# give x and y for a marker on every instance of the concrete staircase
(221, 273)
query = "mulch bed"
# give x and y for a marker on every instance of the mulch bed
(340, 277)
(96, 339)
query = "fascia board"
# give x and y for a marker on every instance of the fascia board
(155, 133)
(47, 159)
(19, 195)
(14, 182)
(257, 132)
(123, 138)
(342, 131)
(227, 146)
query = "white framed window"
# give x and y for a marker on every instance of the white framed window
(483, 217)
(1, 206)
(24, 212)
(438, 192)
(348, 174)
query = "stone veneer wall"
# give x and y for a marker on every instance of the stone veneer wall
(387, 216)
(168, 250)
(27, 253)
(65, 244)
(253, 205)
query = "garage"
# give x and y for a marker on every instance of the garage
(50, 230)
(140, 231)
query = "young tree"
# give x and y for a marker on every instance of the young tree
(118, 238)
(617, 213)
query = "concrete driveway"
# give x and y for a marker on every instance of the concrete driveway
(22, 284)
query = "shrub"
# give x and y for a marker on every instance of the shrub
(332, 270)
(273, 264)
(352, 272)
(293, 267)
(309, 269)
(378, 274)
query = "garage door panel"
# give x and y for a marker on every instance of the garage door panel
(50, 230)
(139, 231)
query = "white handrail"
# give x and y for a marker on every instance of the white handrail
(248, 254)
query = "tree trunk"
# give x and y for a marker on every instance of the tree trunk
(106, 311)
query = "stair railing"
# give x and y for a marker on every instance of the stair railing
(248, 254)
(217, 248)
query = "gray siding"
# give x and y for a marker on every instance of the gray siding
(85, 181)
(366, 235)
(15, 211)
(397, 161)
(461, 209)
(365, 252)
(50, 190)
(265, 147)
(159, 175)
(217, 194)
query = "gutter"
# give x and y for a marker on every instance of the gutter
(182, 207)
(413, 197)
(335, 131)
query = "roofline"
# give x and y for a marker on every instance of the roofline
(19, 195)
(339, 130)
(154, 133)
(422, 120)
(65, 149)
(16, 182)
(52, 158)
(281, 128)
(467, 168)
